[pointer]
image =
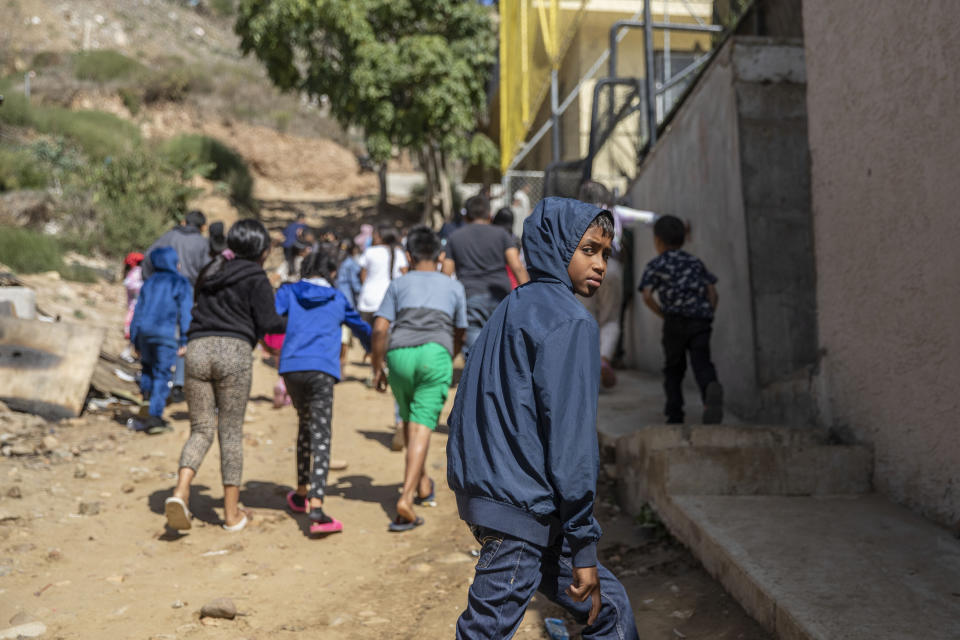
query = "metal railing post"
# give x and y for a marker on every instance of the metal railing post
(650, 93)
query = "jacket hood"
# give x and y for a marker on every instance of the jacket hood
(224, 273)
(311, 295)
(551, 235)
(164, 259)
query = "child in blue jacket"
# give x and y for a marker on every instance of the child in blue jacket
(310, 366)
(164, 303)
(522, 455)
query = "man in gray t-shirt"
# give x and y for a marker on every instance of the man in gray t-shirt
(422, 307)
(479, 254)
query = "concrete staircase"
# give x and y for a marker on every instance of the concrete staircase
(787, 522)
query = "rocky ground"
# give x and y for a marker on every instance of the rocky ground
(84, 551)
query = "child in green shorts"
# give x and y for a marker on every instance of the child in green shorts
(423, 316)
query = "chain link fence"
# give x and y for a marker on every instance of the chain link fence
(522, 191)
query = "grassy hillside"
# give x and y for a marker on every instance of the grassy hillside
(87, 137)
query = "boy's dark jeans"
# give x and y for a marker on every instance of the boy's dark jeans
(682, 335)
(508, 573)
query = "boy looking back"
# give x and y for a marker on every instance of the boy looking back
(522, 455)
(687, 299)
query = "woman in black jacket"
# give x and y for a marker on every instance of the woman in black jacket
(233, 309)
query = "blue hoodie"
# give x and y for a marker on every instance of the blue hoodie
(522, 454)
(165, 299)
(315, 311)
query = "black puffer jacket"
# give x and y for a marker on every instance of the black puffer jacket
(234, 299)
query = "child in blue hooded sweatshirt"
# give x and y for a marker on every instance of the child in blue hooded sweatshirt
(310, 366)
(522, 455)
(164, 303)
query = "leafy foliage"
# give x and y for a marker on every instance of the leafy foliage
(136, 197)
(96, 133)
(411, 73)
(20, 169)
(27, 251)
(105, 65)
(208, 157)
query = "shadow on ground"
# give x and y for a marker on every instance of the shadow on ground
(362, 488)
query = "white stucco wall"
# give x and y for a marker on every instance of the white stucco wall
(884, 130)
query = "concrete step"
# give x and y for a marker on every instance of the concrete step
(662, 461)
(826, 568)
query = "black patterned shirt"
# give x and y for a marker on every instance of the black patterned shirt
(680, 281)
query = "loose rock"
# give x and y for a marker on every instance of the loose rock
(50, 443)
(28, 630)
(89, 508)
(219, 608)
(80, 471)
(6, 516)
(21, 617)
(14, 492)
(127, 488)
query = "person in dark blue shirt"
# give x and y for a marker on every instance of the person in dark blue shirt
(687, 296)
(291, 237)
(522, 455)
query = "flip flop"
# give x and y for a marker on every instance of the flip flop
(157, 429)
(240, 526)
(334, 526)
(402, 524)
(178, 516)
(293, 505)
(430, 500)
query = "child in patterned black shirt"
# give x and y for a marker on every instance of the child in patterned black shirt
(687, 299)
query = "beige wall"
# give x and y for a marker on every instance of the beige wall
(884, 124)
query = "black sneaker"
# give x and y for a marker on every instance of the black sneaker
(177, 395)
(713, 403)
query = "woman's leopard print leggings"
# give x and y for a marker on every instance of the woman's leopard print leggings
(219, 371)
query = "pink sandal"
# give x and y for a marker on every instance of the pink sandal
(334, 526)
(293, 505)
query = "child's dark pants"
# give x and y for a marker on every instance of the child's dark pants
(158, 358)
(511, 570)
(312, 395)
(682, 335)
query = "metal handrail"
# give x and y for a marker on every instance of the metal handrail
(648, 25)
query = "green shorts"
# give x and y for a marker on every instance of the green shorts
(420, 378)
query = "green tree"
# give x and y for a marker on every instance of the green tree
(410, 73)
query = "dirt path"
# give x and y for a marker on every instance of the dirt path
(118, 573)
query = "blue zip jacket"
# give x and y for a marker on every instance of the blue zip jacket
(522, 454)
(165, 299)
(315, 311)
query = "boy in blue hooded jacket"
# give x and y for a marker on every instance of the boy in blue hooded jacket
(522, 455)
(165, 302)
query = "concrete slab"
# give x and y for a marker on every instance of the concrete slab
(45, 368)
(661, 460)
(851, 568)
(24, 301)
